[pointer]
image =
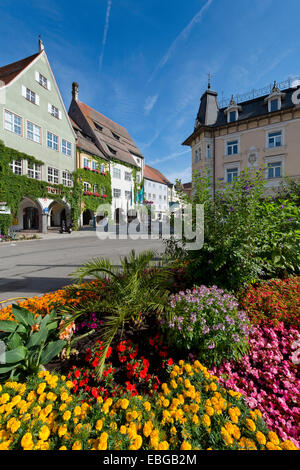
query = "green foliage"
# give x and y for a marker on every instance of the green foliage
(247, 235)
(28, 343)
(133, 291)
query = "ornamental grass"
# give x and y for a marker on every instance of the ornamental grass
(190, 411)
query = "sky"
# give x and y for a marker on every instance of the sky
(145, 63)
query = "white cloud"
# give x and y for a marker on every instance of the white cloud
(185, 175)
(183, 35)
(106, 25)
(172, 156)
(149, 103)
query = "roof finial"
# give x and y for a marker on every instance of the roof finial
(209, 78)
(41, 44)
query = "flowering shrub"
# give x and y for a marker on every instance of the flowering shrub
(269, 379)
(278, 300)
(190, 412)
(206, 320)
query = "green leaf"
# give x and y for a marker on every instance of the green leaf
(8, 326)
(14, 341)
(23, 316)
(16, 355)
(5, 369)
(52, 350)
(37, 337)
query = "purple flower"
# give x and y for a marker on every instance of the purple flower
(211, 345)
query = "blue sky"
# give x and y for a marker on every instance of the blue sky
(144, 64)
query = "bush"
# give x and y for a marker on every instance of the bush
(190, 412)
(276, 300)
(206, 321)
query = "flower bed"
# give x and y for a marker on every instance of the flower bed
(269, 379)
(277, 300)
(192, 411)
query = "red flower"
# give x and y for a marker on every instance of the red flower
(77, 374)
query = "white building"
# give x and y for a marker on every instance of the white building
(156, 191)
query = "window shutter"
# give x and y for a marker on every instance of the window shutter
(49, 108)
(49, 85)
(37, 76)
(37, 100)
(59, 114)
(24, 91)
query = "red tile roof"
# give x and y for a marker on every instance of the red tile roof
(11, 71)
(155, 175)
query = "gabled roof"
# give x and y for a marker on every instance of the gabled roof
(84, 142)
(112, 138)
(11, 71)
(155, 175)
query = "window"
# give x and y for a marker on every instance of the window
(117, 173)
(43, 81)
(208, 151)
(138, 178)
(52, 141)
(232, 147)
(154, 196)
(16, 166)
(117, 192)
(128, 195)
(86, 163)
(66, 147)
(274, 139)
(95, 188)
(67, 179)
(34, 171)
(86, 186)
(274, 105)
(116, 136)
(232, 116)
(54, 111)
(127, 176)
(231, 174)
(102, 167)
(165, 198)
(30, 95)
(33, 132)
(113, 151)
(13, 123)
(160, 196)
(197, 155)
(274, 170)
(52, 175)
(98, 127)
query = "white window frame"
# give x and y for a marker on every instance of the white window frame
(231, 166)
(66, 179)
(127, 176)
(197, 154)
(86, 186)
(64, 147)
(119, 193)
(40, 79)
(116, 173)
(127, 195)
(274, 131)
(230, 111)
(275, 159)
(53, 175)
(94, 165)
(95, 188)
(16, 166)
(34, 172)
(86, 162)
(52, 141)
(208, 155)
(235, 142)
(54, 111)
(13, 116)
(34, 134)
(102, 167)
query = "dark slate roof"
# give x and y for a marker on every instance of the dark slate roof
(84, 142)
(256, 107)
(11, 71)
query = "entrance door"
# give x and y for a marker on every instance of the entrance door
(31, 218)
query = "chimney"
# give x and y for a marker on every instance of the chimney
(41, 44)
(75, 91)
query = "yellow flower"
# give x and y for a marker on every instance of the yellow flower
(124, 403)
(123, 429)
(273, 438)
(173, 431)
(64, 396)
(288, 445)
(261, 438)
(250, 425)
(63, 448)
(44, 433)
(77, 445)
(66, 415)
(164, 445)
(99, 424)
(213, 386)
(206, 420)
(147, 406)
(62, 430)
(27, 442)
(41, 388)
(185, 446)
(77, 411)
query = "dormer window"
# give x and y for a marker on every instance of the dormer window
(115, 136)
(232, 111)
(98, 127)
(273, 100)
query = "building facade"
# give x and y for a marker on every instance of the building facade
(35, 124)
(259, 133)
(99, 138)
(156, 192)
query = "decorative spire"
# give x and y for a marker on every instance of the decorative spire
(209, 78)
(75, 91)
